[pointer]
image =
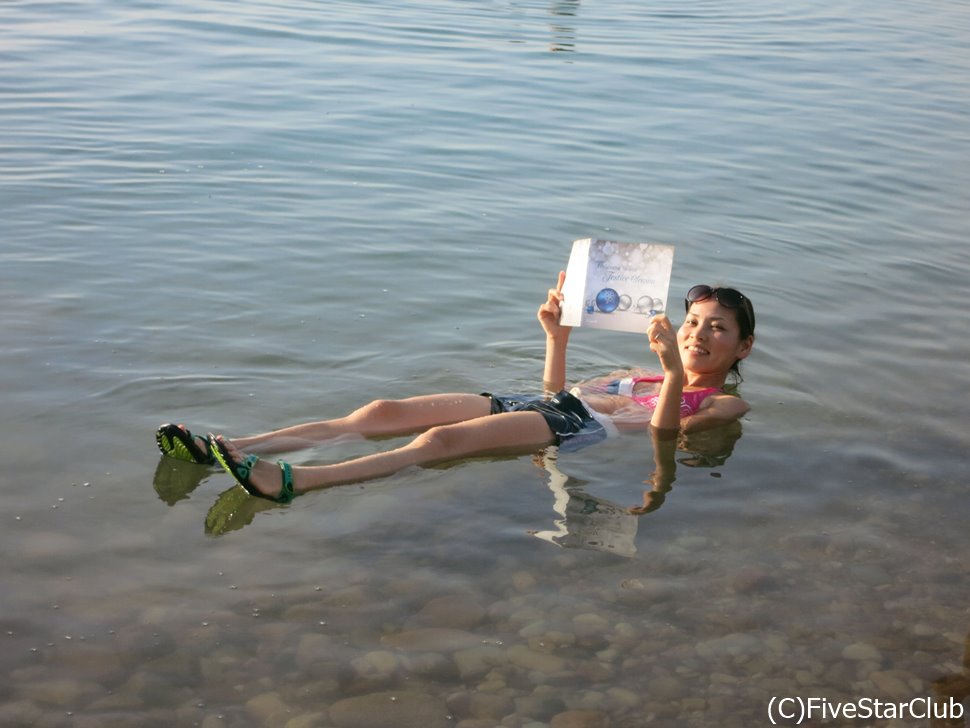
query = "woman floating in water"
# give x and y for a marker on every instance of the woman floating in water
(717, 333)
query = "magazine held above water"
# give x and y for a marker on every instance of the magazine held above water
(616, 286)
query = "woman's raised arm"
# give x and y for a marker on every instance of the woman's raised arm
(557, 338)
(663, 342)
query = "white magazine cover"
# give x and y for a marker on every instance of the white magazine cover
(616, 286)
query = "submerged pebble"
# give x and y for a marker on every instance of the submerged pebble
(401, 709)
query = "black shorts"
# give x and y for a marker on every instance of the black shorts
(571, 424)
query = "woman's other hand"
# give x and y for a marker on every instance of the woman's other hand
(663, 342)
(551, 310)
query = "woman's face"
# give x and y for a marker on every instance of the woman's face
(710, 338)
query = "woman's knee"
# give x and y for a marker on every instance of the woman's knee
(378, 411)
(443, 441)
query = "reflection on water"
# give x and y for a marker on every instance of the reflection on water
(175, 480)
(563, 30)
(591, 522)
(586, 522)
(233, 509)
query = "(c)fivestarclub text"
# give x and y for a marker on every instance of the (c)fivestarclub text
(800, 709)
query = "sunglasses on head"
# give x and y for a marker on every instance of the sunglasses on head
(727, 297)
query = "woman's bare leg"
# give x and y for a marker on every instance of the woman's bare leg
(502, 433)
(381, 417)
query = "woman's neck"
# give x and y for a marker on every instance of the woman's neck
(704, 380)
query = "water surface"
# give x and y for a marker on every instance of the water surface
(241, 215)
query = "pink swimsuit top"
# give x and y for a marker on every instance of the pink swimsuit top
(690, 401)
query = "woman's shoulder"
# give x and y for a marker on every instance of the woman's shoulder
(717, 409)
(729, 404)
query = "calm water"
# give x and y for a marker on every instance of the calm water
(243, 214)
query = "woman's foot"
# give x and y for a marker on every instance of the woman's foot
(257, 476)
(177, 442)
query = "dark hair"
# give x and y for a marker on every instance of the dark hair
(709, 448)
(744, 315)
(745, 322)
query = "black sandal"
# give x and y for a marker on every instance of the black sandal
(240, 471)
(177, 442)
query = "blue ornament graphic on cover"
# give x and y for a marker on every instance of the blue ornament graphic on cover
(607, 300)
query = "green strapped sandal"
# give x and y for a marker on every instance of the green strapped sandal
(241, 471)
